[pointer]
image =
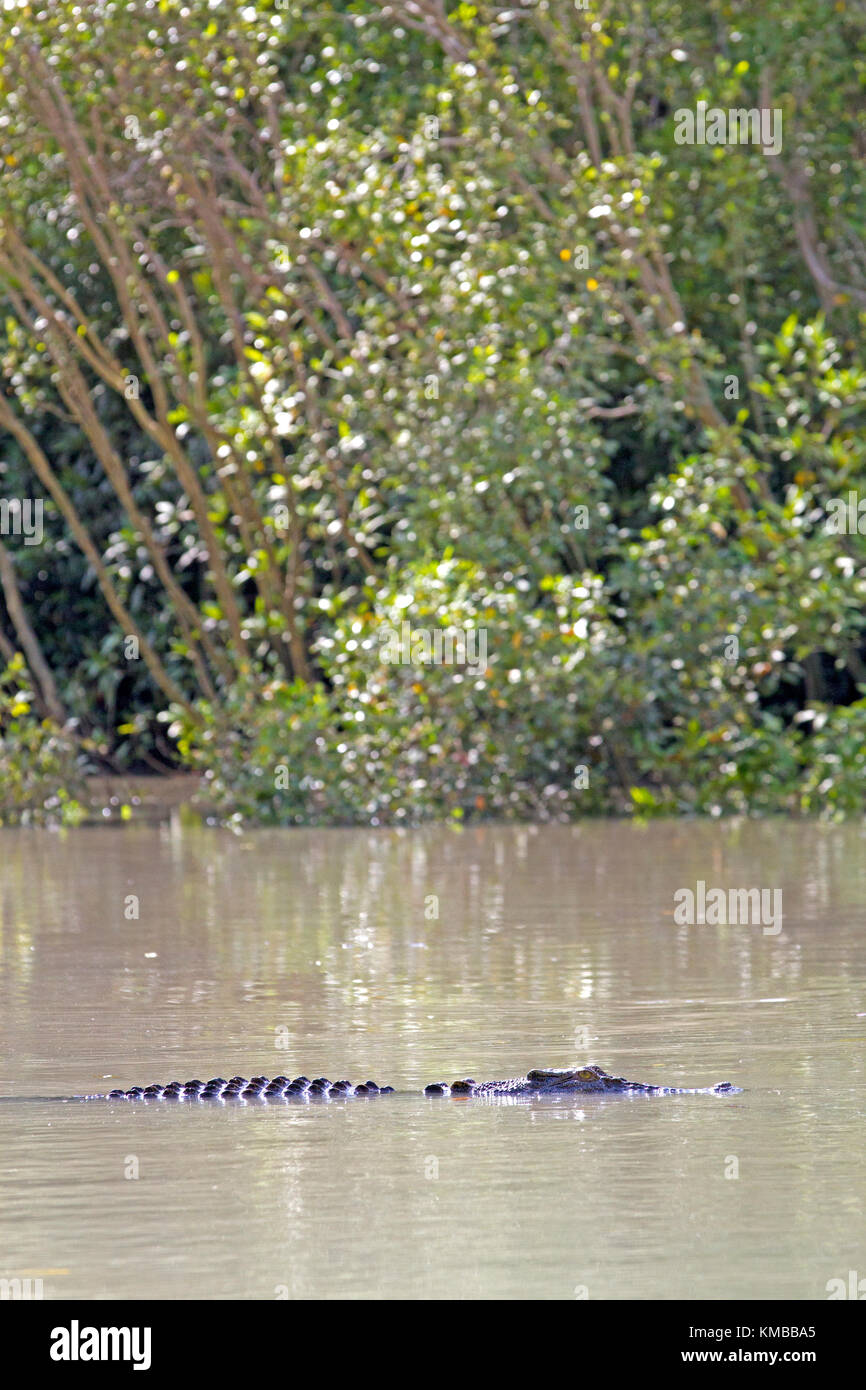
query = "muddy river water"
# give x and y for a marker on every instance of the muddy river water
(144, 953)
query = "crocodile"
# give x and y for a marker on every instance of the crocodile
(556, 1081)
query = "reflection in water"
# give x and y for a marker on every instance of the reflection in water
(151, 954)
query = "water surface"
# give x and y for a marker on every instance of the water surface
(322, 952)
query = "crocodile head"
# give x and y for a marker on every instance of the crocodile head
(586, 1078)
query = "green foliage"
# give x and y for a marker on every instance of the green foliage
(502, 732)
(39, 767)
(836, 764)
(438, 324)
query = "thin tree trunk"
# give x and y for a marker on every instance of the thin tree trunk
(49, 479)
(39, 667)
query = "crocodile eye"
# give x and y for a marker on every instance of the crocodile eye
(587, 1075)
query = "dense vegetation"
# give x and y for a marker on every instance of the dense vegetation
(321, 320)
